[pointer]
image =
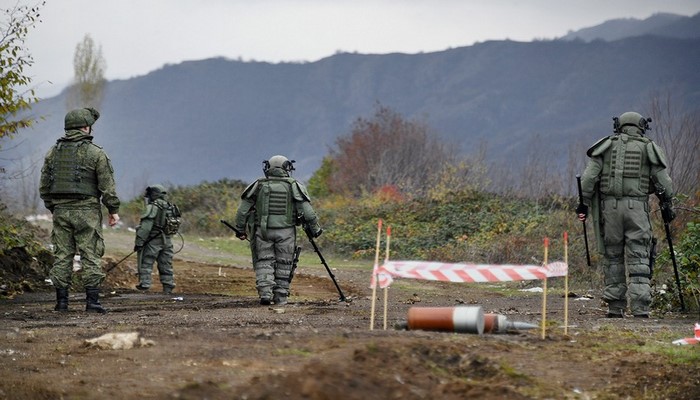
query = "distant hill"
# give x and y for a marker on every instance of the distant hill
(662, 24)
(215, 118)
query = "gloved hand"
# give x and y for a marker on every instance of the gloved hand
(138, 247)
(667, 212)
(317, 233)
(241, 235)
(582, 209)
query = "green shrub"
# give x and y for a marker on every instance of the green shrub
(202, 206)
(687, 251)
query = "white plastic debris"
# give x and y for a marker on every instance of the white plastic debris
(119, 341)
(533, 290)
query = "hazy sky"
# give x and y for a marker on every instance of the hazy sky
(139, 36)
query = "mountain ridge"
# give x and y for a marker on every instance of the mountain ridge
(204, 120)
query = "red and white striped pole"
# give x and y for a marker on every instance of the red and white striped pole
(544, 291)
(374, 275)
(566, 284)
(386, 288)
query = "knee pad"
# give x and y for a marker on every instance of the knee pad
(283, 270)
(639, 273)
(614, 274)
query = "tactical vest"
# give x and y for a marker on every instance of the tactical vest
(168, 218)
(626, 167)
(274, 205)
(69, 171)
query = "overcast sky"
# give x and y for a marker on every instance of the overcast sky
(139, 36)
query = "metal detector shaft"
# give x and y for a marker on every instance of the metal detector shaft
(323, 261)
(119, 262)
(675, 266)
(585, 232)
(129, 255)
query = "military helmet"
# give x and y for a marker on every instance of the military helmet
(80, 118)
(631, 118)
(155, 191)
(278, 162)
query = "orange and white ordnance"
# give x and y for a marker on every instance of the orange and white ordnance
(465, 319)
(462, 319)
(497, 323)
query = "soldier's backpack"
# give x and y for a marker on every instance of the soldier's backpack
(168, 218)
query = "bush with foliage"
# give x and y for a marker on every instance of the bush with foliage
(464, 226)
(202, 206)
(687, 252)
(24, 261)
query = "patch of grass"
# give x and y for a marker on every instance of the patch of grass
(512, 372)
(294, 352)
(372, 348)
(679, 355)
(658, 343)
(230, 245)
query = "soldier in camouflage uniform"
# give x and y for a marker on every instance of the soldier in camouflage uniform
(76, 175)
(153, 240)
(623, 170)
(269, 210)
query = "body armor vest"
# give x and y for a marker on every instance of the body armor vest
(626, 167)
(274, 206)
(69, 171)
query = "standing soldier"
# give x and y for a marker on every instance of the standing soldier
(623, 170)
(76, 175)
(159, 222)
(269, 210)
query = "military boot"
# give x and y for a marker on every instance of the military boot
(92, 300)
(61, 299)
(279, 299)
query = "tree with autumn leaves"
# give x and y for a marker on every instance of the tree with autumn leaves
(389, 154)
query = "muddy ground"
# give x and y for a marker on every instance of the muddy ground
(211, 339)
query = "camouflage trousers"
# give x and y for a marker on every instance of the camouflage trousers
(161, 251)
(627, 239)
(273, 260)
(77, 232)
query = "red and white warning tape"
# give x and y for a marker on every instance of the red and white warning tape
(686, 341)
(693, 340)
(436, 271)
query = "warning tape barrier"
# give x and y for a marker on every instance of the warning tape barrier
(446, 272)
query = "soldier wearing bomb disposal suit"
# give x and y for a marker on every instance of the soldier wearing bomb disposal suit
(623, 170)
(159, 222)
(270, 209)
(76, 177)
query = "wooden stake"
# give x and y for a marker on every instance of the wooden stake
(566, 283)
(374, 275)
(386, 259)
(544, 291)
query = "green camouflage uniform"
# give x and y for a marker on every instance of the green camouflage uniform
(154, 244)
(269, 210)
(77, 217)
(622, 171)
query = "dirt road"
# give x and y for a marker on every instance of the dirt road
(212, 340)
